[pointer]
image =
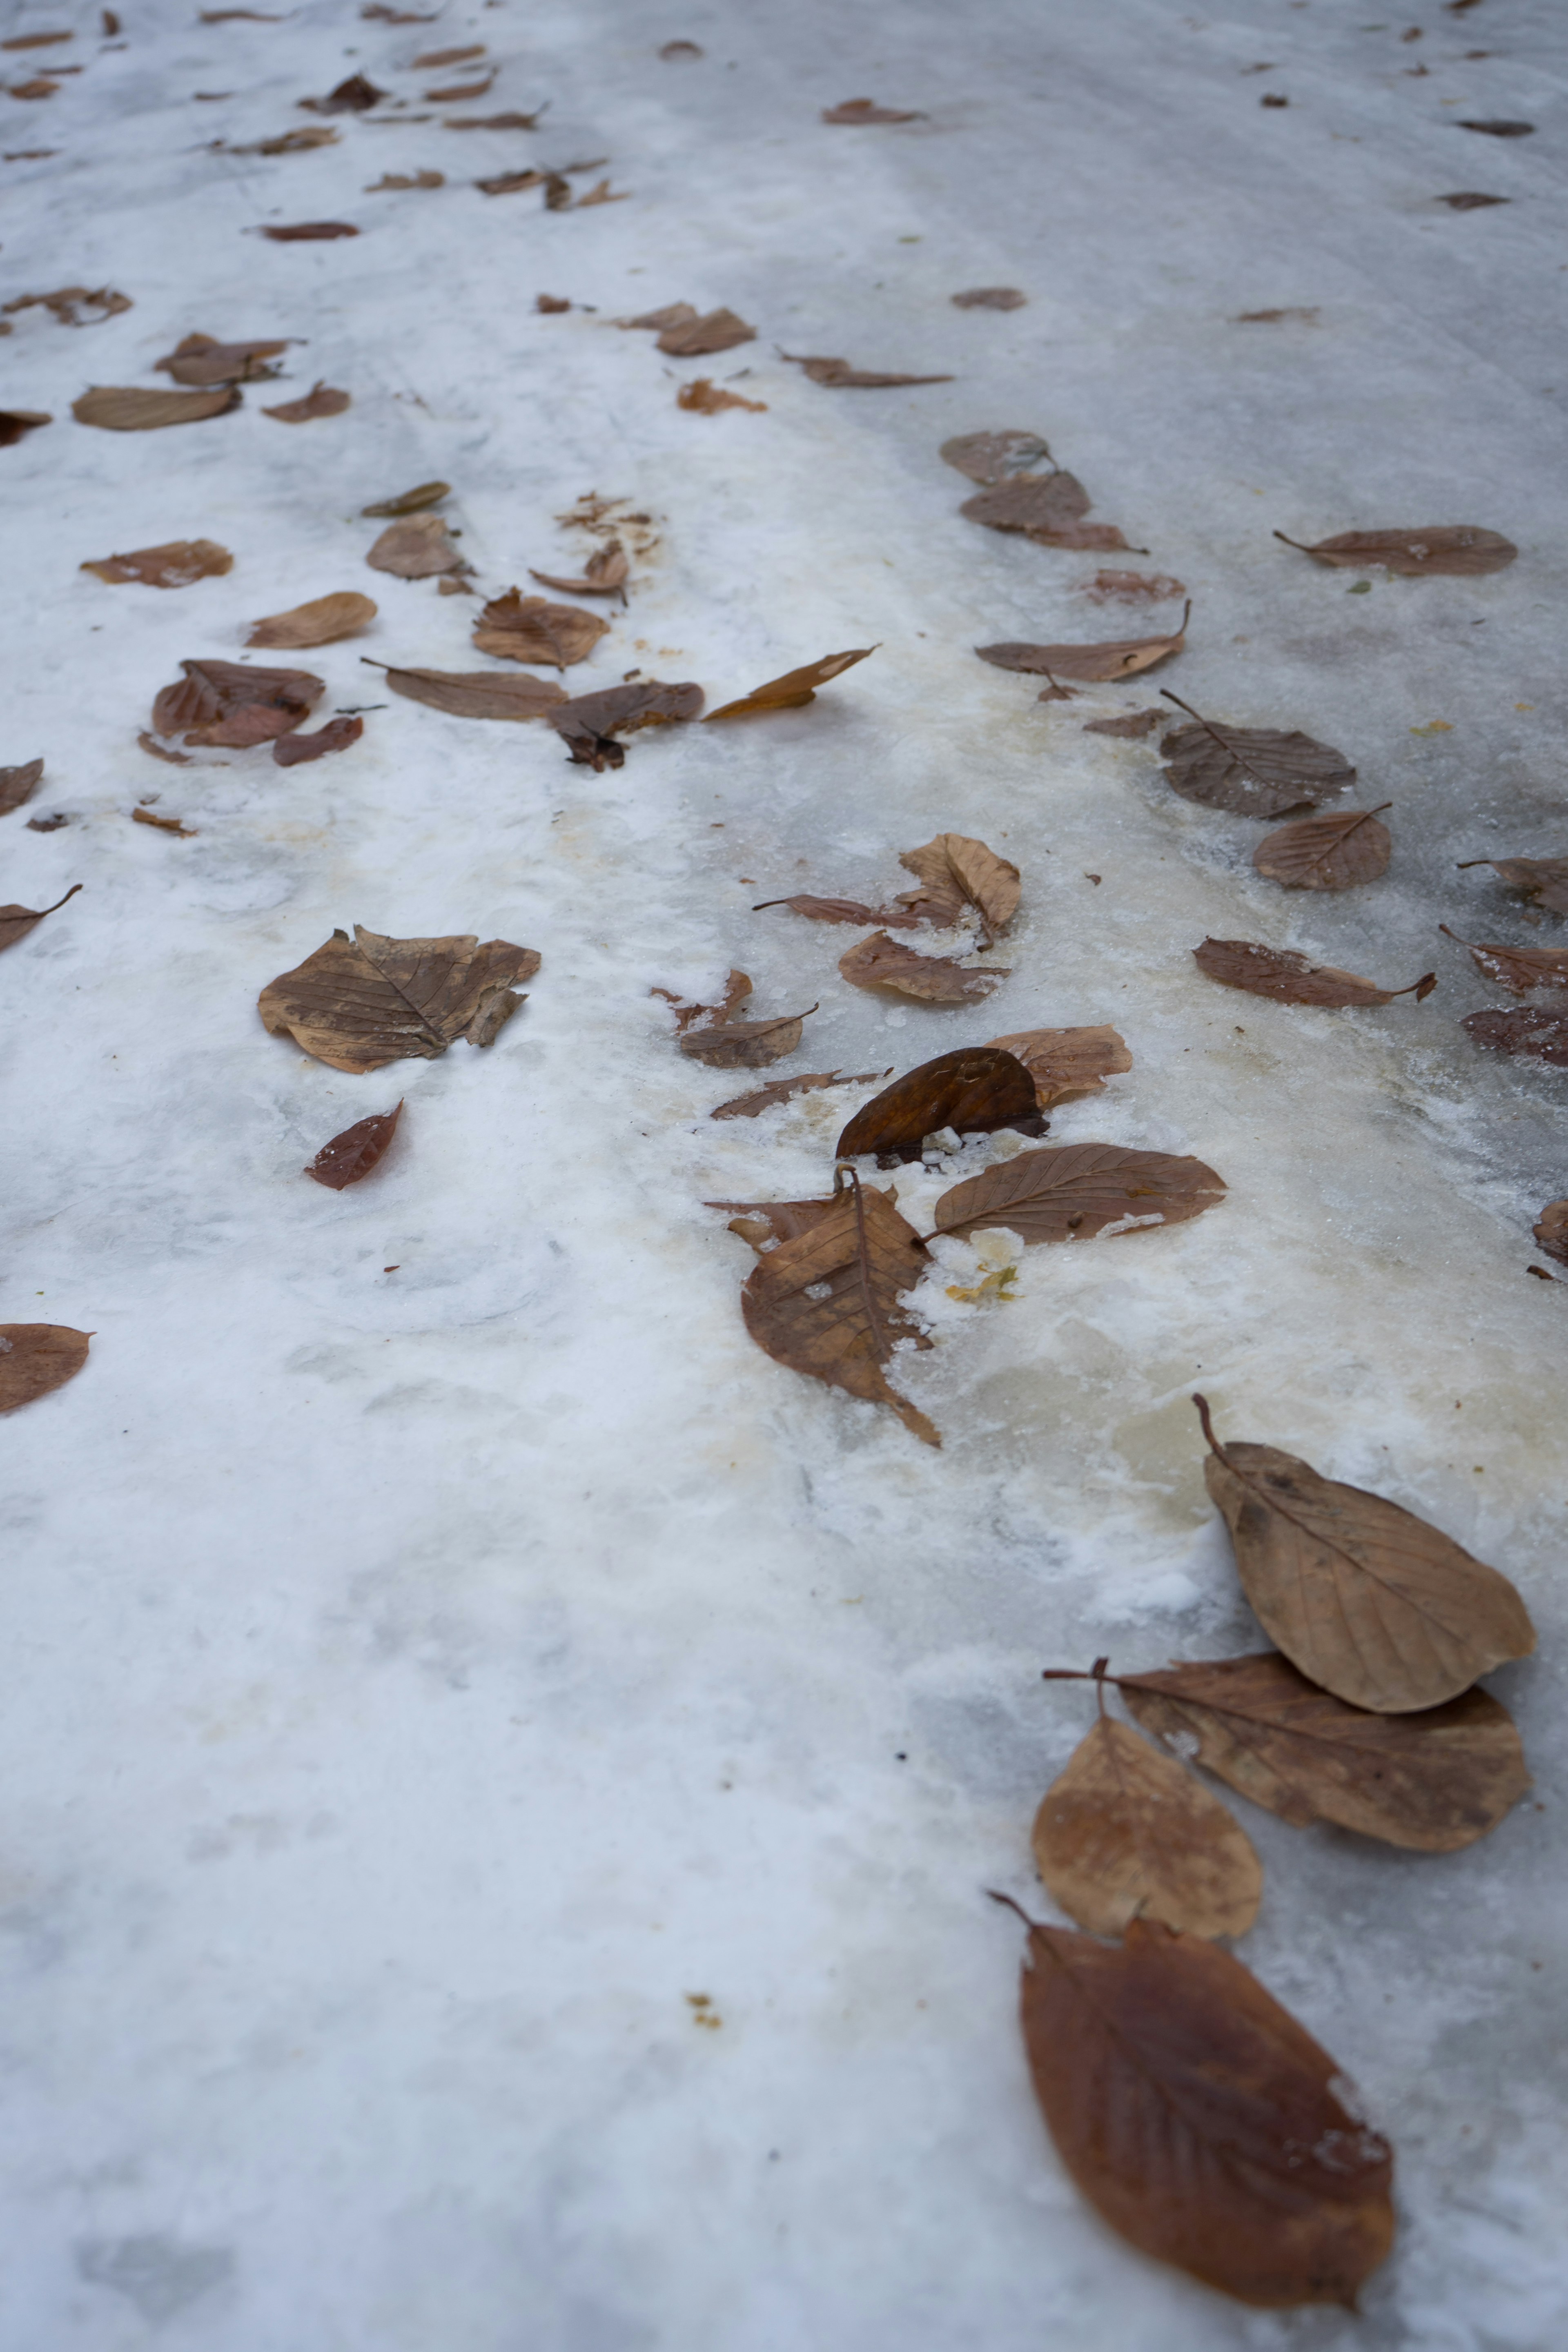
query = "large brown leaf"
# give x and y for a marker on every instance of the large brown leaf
(1080, 1190)
(203, 360)
(1367, 1600)
(352, 1154)
(175, 564)
(1200, 2119)
(590, 723)
(415, 548)
(1543, 880)
(35, 1357)
(18, 785)
(231, 704)
(322, 622)
(882, 963)
(693, 338)
(357, 1004)
(841, 376)
(523, 628)
(826, 1301)
(1431, 1782)
(1517, 969)
(795, 687)
(1538, 1036)
(1551, 1232)
(1294, 979)
(990, 457)
(1118, 657)
(424, 494)
(16, 922)
(477, 693)
(1447, 547)
(973, 1090)
(130, 408)
(604, 575)
(321, 400)
(1124, 1833)
(957, 873)
(1064, 1062)
(1250, 770)
(1327, 852)
(337, 735)
(783, 1090)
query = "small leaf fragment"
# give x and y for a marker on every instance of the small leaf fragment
(175, 564)
(163, 824)
(988, 297)
(426, 494)
(352, 1155)
(604, 575)
(310, 232)
(705, 398)
(321, 400)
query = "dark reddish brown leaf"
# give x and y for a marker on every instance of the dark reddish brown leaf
(1365, 1598)
(1135, 724)
(173, 565)
(289, 751)
(604, 575)
(866, 110)
(426, 494)
(1519, 969)
(839, 374)
(1551, 1233)
(551, 305)
(783, 1090)
(882, 963)
(130, 408)
(1327, 852)
(1080, 1190)
(1064, 1062)
(1540, 1036)
(232, 704)
(988, 297)
(1119, 657)
(50, 824)
(352, 1154)
(16, 922)
(18, 785)
(493, 121)
(975, 1090)
(1543, 880)
(308, 232)
(530, 628)
(1250, 770)
(358, 1004)
(693, 338)
(590, 723)
(1031, 503)
(706, 399)
(1200, 2119)
(35, 1357)
(202, 359)
(17, 421)
(1294, 979)
(1498, 129)
(477, 693)
(321, 400)
(795, 687)
(354, 96)
(163, 824)
(416, 548)
(1458, 548)
(1131, 588)
(75, 306)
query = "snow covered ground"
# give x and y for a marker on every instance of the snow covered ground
(428, 1687)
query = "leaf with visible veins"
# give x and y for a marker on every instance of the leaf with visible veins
(1250, 770)
(1079, 1190)
(37, 1357)
(357, 1004)
(882, 963)
(1294, 979)
(352, 1154)
(1327, 852)
(1517, 969)
(1453, 548)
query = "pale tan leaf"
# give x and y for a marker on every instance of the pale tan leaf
(416, 549)
(130, 408)
(322, 622)
(1064, 1062)
(173, 565)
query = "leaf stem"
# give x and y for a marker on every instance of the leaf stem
(1202, 1403)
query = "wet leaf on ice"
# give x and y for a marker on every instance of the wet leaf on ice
(352, 1154)
(1250, 770)
(839, 374)
(1118, 657)
(1064, 1062)
(477, 693)
(1540, 1036)
(689, 1011)
(493, 121)
(708, 1032)
(957, 873)
(75, 306)
(16, 922)
(1030, 502)
(202, 359)
(530, 628)
(783, 1090)
(357, 1004)
(299, 142)
(1431, 1782)
(163, 824)
(290, 751)
(321, 400)
(1294, 979)
(1457, 548)
(415, 548)
(426, 494)
(1519, 969)
(1550, 1233)
(694, 339)
(354, 96)
(590, 723)
(992, 457)
(1133, 724)
(866, 110)
(826, 1301)
(1327, 852)
(175, 564)
(1125, 1834)
(131, 408)
(392, 180)
(1543, 880)
(459, 93)
(882, 963)
(310, 232)
(232, 704)
(1079, 1190)
(18, 785)
(322, 622)
(37, 1357)
(604, 575)
(1367, 1600)
(795, 687)
(17, 421)
(706, 399)
(1200, 2119)
(989, 298)
(973, 1090)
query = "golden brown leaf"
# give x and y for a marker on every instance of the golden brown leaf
(130, 408)
(530, 628)
(321, 400)
(75, 306)
(433, 60)
(163, 824)
(352, 1154)
(18, 785)
(882, 963)
(695, 339)
(202, 359)
(1118, 657)
(1452, 548)
(604, 575)
(477, 693)
(704, 397)
(416, 549)
(1517, 969)
(795, 687)
(1294, 979)
(426, 494)
(1079, 1190)
(1327, 852)
(973, 1090)
(322, 622)
(35, 1357)
(173, 565)
(357, 1004)
(1064, 1062)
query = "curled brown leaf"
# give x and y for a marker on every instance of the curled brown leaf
(16, 922)
(794, 688)
(882, 963)
(975, 1090)
(352, 1155)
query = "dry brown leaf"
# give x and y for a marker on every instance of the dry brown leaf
(389, 180)
(477, 693)
(674, 314)
(794, 688)
(604, 575)
(1498, 129)
(352, 1155)
(746, 1045)
(704, 396)
(1308, 317)
(1044, 503)
(1119, 658)
(1431, 1782)
(322, 622)
(160, 751)
(1365, 1598)
(957, 873)
(354, 96)
(992, 457)
(1327, 852)
(1250, 770)
(695, 339)
(231, 704)
(17, 421)
(415, 548)
(1200, 2119)
(1125, 1834)
(1133, 724)
(311, 232)
(460, 92)
(882, 963)
(433, 60)
(289, 143)
(426, 494)
(1517, 969)
(39, 86)
(866, 110)
(840, 376)
(783, 1090)
(1131, 588)
(175, 564)
(550, 304)
(678, 52)
(973, 1090)
(357, 1004)
(1294, 979)
(493, 121)
(203, 360)
(989, 298)
(163, 824)
(18, 785)
(826, 1301)
(35, 41)
(1540, 1036)
(1078, 1192)
(35, 1357)
(131, 408)
(839, 911)
(1470, 200)
(1064, 1062)
(1550, 1233)
(530, 628)
(689, 1010)
(16, 922)
(321, 400)
(72, 304)
(337, 735)
(1543, 880)
(512, 184)
(601, 193)
(590, 723)
(1457, 548)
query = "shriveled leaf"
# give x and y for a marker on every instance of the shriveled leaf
(1431, 1782)
(1118, 657)
(1133, 724)
(1200, 2119)
(1365, 1598)
(882, 963)
(311, 232)
(202, 359)
(321, 400)
(604, 574)
(866, 110)
(839, 374)
(1080, 1190)
(1132, 588)
(1294, 979)
(973, 1090)
(393, 180)
(1551, 1232)
(690, 1013)
(1543, 880)
(354, 96)
(416, 549)
(352, 1154)
(989, 457)
(1517, 969)
(679, 52)
(35, 1357)
(783, 1090)
(1539, 1036)
(16, 922)
(1124, 1833)
(290, 751)
(1250, 770)
(75, 306)
(163, 824)
(957, 873)
(322, 622)
(16, 423)
(433, 60)
(18, 785)
(232, 704)
(706, 399)
(694, 339)
(795, 687)
(299, 142)
(745, 1045)
(590, 723)
(477, 693)
(1457, 548)
(357, 1004)
(530, 628)
(131, 408)
(988, 297)
(175, 564)
(1064, 1062)
(426, 494)
(838, 910)
(1327, 852)
(826, 1301)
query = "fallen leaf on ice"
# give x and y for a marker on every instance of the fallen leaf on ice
(16, 422)
(1294, 979)
(1550, 1233)
(838, 910)
(163, 824)
(1457, 548)
(1541, 1036)
(357, 1004)
(705, 397)
(674, 314)
(231, 704)
(689, 1011)
(433, 60)
(173, 565)
(1119, 658)
(354, 96)
(322, 622)
(202, 359)
(352, 1154)
(783, 1090)
(321, 400)
(1498, 129)
(992, 457)
(426, 494)
(975, 1090)
(1517, 969)
(1135, 724)
(1064, 1062)
(1132, 587)
(604, 575)
(406, 180)
(676, 52)
(956, 873)
(289, 751)
(1250, 770)
(530, 628)
(692, 339)
(1327, 852)
(298, 142)
(989, 298)
(590, 723)
(1079, 1190)
(601, 194)
(838, 373)
(1470, 200)
(416, 549)
(130, 408)
(305, 231)
(72, 304)
(1543, 880)
(462, 91)
(161, 751)
(35, 41)
(493, 121)
(477, 693)
(866, 110)
(18, 785)
(882, 963)
(16, 922)
(795, 687)
(35, 1357)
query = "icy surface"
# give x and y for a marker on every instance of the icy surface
(426, 1685)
